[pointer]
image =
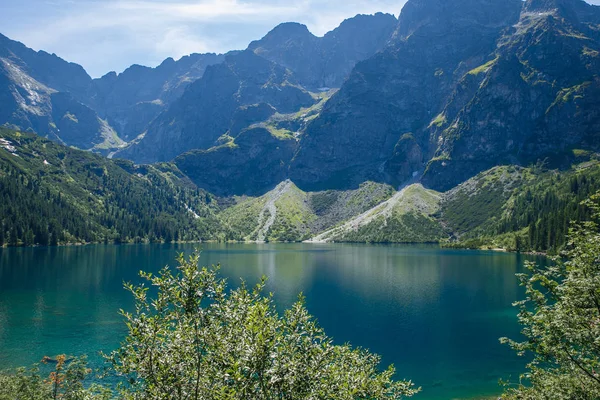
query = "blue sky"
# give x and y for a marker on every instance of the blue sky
(107, 35)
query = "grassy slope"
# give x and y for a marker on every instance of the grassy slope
(299, 214)
(486, 211)
(406, 218)
(472, 207)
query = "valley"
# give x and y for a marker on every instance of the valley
(424, 183)
(85, 198)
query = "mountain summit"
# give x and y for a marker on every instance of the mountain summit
(450, 89)
(326, 61)
(377, 126)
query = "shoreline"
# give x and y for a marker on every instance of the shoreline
(315, 242)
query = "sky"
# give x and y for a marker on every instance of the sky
(110, 35)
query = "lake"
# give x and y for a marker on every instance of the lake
(436, 314)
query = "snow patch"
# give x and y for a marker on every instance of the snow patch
(8, 146)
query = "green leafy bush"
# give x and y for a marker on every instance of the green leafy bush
(65, 381)
(197, 340)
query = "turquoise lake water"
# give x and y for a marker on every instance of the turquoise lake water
(436, 314)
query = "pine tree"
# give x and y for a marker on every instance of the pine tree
(43, 238)
(28, 238)
(13, 239)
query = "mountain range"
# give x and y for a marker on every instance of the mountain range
(437, 97)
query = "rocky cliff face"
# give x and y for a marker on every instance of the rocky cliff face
(270, 78)
(122, 105)
(537, 98)
(274, 73)
(466, 85)
(28, 104)
(326, 61)
(218, 102)
(250, 164)
(48, 69)
(376, 126)
(133, 98)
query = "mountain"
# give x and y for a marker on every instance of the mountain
(522, 209)
(120, 107)
(251, 160)
(465, 85)
(53, 194)
(230, 98)
(537, 97)
(37, 93)
(461, 104)
(242, 90)
(376, 126)
(406, 217)
(43, 93)
(132, 99)
(248, 164)
(326, 61)
(287, 213)
(49, 69)
(459, 87)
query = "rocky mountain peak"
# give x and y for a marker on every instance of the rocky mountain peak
(361, 33)
(574, 10)
(362, 21)
(326, 61)
(438, 16)
(282, 34)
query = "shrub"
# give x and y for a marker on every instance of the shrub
(197, 340)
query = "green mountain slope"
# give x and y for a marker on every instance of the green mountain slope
(53, 194)
(405, 217)
(516, 208)
(289, 214)
(475, 206)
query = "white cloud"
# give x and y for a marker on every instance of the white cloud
(179, 41)
(105, 35)
(110, 35)
(206, 10)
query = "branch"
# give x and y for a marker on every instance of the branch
(578, 364)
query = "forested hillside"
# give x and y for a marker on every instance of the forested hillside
(527, 209)
(52, 194)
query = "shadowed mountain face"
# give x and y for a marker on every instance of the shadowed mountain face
(448, 90)
(466, 85)
(132, 99)
(130, 104)
(376, 125)
(289, 60)
(207, 109)
(249, 165)
(326, 61)
(537, 97)
(43, 93)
